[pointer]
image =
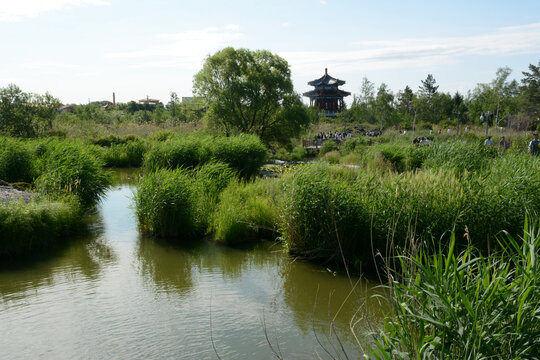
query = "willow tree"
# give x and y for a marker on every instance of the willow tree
(251, 92)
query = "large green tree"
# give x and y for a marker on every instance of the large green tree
(251, 92)
(24, 114)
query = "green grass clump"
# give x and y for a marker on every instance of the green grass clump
(165, 204)
(328, 146)
(28, 228)
(460, 156)
(247, 211)
(450, 305)
(173, 153)
(129, 154)
(73, 169)
(209, 181)
(16, 161)
(243, 153)
(329, 211)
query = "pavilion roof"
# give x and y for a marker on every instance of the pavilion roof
(326, 93)
(326, 80)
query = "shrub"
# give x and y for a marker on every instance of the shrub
(298, 153)
(329, 145)
(244, 153)
(71, 169)
(165, 204)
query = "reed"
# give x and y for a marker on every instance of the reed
(247, 211)
(465, 305)
(165, 204)
(17, 163)
(39, 225)
(73, 169)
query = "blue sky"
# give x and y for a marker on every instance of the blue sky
(86, 49)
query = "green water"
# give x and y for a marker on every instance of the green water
(115, 294)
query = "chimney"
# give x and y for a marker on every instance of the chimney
(113, 100)
(325, 71)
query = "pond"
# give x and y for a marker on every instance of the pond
(117, 294)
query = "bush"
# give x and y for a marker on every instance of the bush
(71, 169)
(172, 154)
(329, 145)
(165, 204)
(16, 162)
(298, 153)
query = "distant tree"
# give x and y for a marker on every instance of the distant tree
(427, 94)
(251, 92)
(405, 106)
(363, 105)
(384, 105)
(500, 96)
(530, 90)
(24, 114)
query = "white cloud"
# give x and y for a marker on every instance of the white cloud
(322, 2)
(16, 10)
(185, 49)
(419, 52)
(43, 66)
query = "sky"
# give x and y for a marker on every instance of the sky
(84, 50)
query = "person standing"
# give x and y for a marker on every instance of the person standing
(504, 144)
(534, 145)
(488, 141)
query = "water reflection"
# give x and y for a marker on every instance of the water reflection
(82, 259)
(116, 294)
(168, 268)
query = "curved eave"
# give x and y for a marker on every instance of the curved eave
(318, 94)
(326, 80)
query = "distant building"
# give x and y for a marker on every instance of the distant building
(326, 96)
(67, 108)
(148, 101)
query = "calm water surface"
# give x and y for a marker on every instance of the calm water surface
(116, 294)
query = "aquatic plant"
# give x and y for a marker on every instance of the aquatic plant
(165, 204)
(73, 169)
(39, 225)
(465, 305)
(16, 161)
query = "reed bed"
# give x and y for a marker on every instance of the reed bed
(244, 153)
(452, 304)
(33, 227)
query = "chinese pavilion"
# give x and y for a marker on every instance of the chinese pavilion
(326, 95)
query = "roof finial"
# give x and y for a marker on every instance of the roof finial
(325, 71)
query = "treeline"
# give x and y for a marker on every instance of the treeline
(408, 109)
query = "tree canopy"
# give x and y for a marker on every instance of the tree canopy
(251, 92)
(25, 114)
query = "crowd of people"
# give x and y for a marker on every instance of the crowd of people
(334, 135)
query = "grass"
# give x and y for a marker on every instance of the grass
(165, 204)
(73, 169)
(33, 227)
(16, 161)
(244, 153)
(465, 305)
(247, 211)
